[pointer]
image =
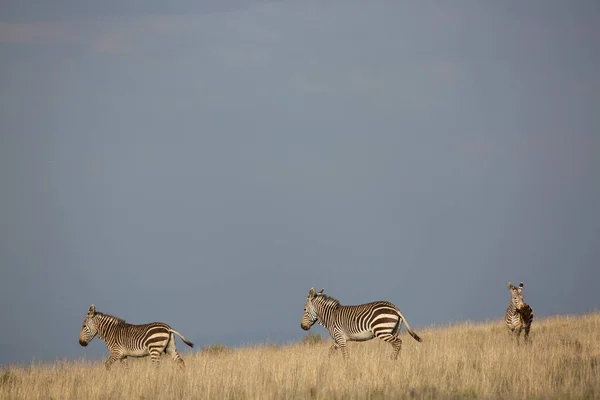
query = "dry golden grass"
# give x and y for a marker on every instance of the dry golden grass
(466, 360)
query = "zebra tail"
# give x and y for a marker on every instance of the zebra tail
(528, 312)
(408, 328)
(182, 338)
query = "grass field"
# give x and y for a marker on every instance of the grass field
(466, 360)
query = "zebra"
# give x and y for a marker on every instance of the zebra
(519, 314)
(126, 340)
(358, 323)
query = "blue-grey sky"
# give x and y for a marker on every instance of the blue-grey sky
(206, 163)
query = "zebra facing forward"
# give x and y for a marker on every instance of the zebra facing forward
(519, 314)
(126, 340)
(355, 323)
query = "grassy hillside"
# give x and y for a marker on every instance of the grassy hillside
(467, 360)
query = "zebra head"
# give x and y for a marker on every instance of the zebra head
(516, 295)
(89, 329)
(310, 312)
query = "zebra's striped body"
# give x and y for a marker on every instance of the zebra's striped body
(519, 314)
(126, 340)
(363, 322)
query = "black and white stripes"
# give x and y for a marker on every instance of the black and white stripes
(519, 314)
(355, 323)
(126, 340)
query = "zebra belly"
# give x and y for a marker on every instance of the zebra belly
(360, 336)
(138, 353)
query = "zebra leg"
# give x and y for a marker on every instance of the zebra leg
(395, 341)
(113, 357)
(124, 362)
(172, 351)
(155, 356)
(340, 341)
(526, 335)
(518, 335)
(513, 334)
(344, 348)
(333, 349)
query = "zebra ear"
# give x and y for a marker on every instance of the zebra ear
(321, 292)
(510, 285)
(521, 285)
(311, 293)
(92, 310)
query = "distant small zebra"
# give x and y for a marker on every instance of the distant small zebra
(126, 340)
(519, 314)
(355, 323)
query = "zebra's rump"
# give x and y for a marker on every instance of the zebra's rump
(363, 322)
(140, 338)
(526, 314)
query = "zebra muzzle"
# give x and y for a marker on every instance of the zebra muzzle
(83, 343)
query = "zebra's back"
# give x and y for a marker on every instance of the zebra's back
(368, 314)
(140, 340)
(527, 316)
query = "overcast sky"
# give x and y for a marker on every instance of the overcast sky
(206, 163)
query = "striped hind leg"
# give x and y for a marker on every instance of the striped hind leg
(526, 335)
(387, 328)
(171, 350)
(155, 353)
(395, 341)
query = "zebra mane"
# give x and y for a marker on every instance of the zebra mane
(112, 318)
(328, 300)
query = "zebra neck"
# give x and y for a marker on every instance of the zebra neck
(106, 327)
(324, 312)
